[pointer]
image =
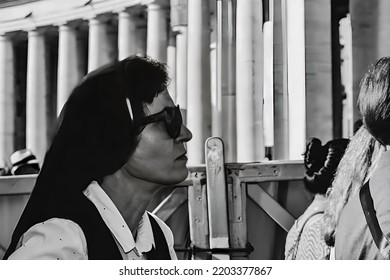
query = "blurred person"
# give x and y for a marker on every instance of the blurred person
(353, 171)
(363, 234)
(120, 138)
(24, 162)
(305, 239)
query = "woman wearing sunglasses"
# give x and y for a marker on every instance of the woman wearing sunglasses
(119, 139)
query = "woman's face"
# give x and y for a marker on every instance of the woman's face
(158, 158)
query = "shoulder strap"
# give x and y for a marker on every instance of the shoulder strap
(161, 250)
(381, 241)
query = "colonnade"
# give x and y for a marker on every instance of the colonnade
(215, 55)
(113, 34)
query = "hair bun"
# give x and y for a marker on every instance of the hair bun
(315, 155)
(322, 163)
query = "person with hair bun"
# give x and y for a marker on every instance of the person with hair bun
(305, 240)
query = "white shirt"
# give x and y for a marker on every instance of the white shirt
(64, 239)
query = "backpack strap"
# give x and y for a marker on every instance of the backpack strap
(380, 239)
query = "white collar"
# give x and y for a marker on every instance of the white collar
(117, 225)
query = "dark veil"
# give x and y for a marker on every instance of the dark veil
(94, 138)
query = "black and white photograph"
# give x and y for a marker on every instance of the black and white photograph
(198, 130)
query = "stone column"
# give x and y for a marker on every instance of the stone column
(181, 70)
(198, 88)
(7, 98)
(171, 64)
(346, 77)
(215, 94)
(141, 38)
(226, 75)
(98, 45)
(249, 79)
(296, 77)
(127, 34)
(318, 47)
(157, 33)
(268, 86)
(68, 71)
(280, 81)
(216, 103)
(370, 38)
(179, 21)
(36, 96)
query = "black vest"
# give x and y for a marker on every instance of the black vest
(100, 242)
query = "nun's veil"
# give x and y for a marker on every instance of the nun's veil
(95, 137)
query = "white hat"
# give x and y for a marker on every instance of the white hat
(21, 158)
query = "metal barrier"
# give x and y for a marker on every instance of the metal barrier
(237, 210)
(276, 195)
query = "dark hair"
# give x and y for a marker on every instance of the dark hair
(321, 163)
(354, 169)
(374, 100)
(95, 136)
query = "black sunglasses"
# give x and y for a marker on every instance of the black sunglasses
(171, 117)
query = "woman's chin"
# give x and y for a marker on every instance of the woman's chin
(179, 176)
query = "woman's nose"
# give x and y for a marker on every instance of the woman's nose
(185, 134)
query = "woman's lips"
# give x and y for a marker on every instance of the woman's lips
(182, 157)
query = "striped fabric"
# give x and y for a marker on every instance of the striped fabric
(305, 240)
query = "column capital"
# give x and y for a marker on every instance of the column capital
(13, 36)
(95, 21)
(99, 17)
(128, 13)
(163, 3)
(6, 36)
(172, 38)
(36, 31)
(65, 28)
(132, 11)
(69, 24)
(121, 10)
(179, 29)
(157, 7)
